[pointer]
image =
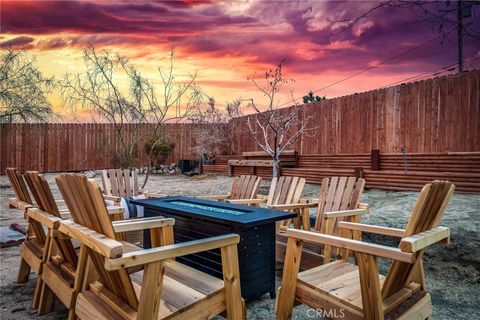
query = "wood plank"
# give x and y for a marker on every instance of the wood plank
(286, 292)
(263, 153)
(354, 245)
(231, 276)
(171, 251)
(370, 286)
(149, 302)
(251, 163)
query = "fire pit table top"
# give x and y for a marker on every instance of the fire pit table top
(215, 211)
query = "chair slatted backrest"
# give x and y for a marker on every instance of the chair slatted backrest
(35, 229)
(43, 196)
(285, 190)
(427, 214)
(245, 187)
(87, 207)
(120, 182)
(18, 184)
(337, 194)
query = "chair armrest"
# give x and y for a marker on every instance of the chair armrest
(112, 198)
(217, 198)
(363, 206)
(96, 241)
(46, 219)
(115, 210)
(354, 245)
(292, 206)
(18, 204)
(246, 201)
(386, 231)
(142, 224)
(65, 214)
(154, 195)
(139, 257)
(345, 213)
(422, 240)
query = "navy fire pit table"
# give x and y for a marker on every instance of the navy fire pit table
(198, 218)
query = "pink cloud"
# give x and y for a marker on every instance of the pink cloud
(22, 42)
(260, 33)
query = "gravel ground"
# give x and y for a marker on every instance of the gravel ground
(453, 271)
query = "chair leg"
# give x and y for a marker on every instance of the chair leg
(305, 219)
(38, 292)
(84, 274)
(149, 302)
(23, 271)
(328, 251)
(286, 293)
(71, 314)
(46, 300)
(370, 286)
(231, 276)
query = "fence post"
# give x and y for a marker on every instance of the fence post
(375, 160)
(359, 172)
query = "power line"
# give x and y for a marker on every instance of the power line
(430, 73)
(372, 67)
(472, 63)
(435, 73)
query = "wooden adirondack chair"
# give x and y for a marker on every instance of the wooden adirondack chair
(57, 258)
(348, 291)
(243, 187)
(165, 289)
(119, 183)
(46, 214)
(283, 191)
(32, 250)
(17, 182)
(339, 200)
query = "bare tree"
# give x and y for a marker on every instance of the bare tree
(23, 89)
(99, 90)
(214, 136)
(174, 102)
(275, 129)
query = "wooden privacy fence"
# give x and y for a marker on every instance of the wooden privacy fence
(430, 116)
(56, 147)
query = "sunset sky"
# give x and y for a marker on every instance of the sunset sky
(226, 42)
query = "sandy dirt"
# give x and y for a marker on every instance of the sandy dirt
(452, 271)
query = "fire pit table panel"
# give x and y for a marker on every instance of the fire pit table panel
(200, 218)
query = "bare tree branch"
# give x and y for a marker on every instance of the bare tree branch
(23, 89)
(275, 129)
(215, 136)
(99, 90)
(428, 13)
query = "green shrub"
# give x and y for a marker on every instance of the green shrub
(158, 149)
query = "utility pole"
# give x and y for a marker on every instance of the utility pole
(460, 35)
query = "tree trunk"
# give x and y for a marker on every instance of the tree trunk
(276, 168)
(147, 175)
